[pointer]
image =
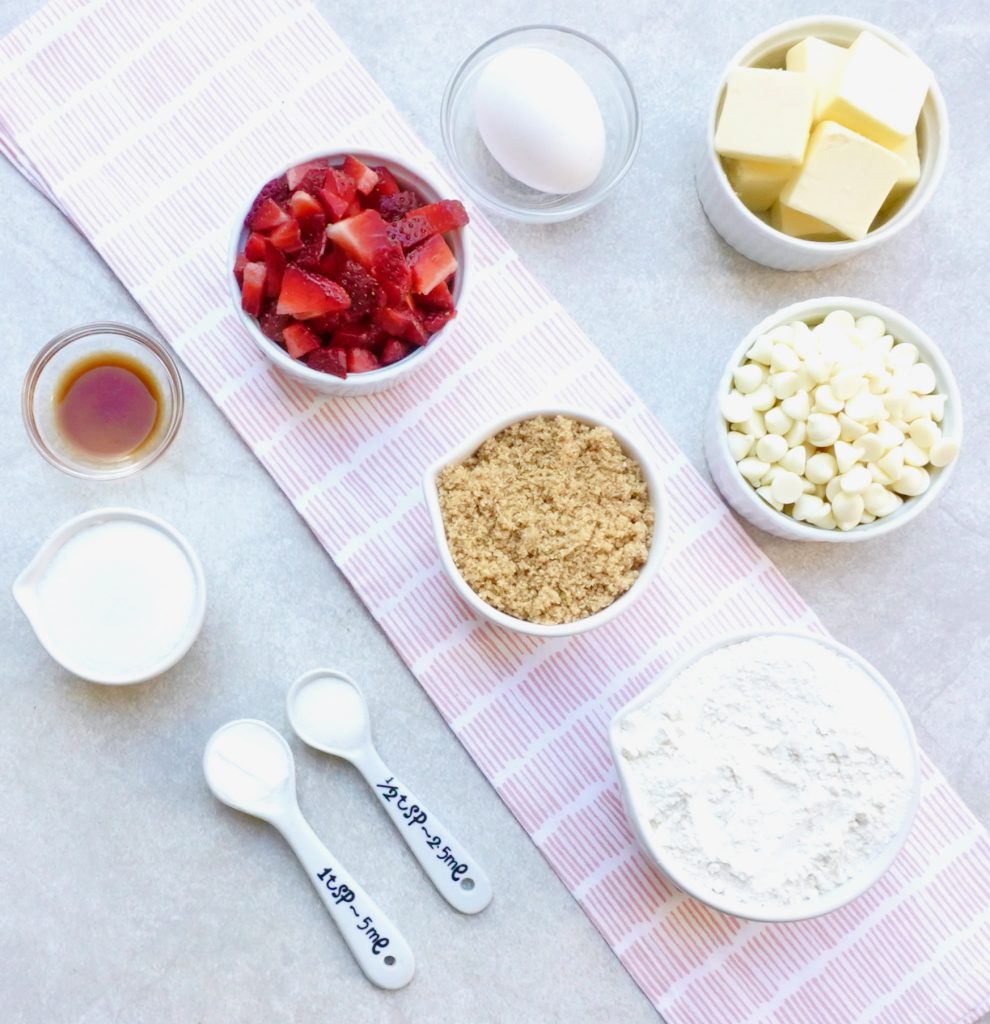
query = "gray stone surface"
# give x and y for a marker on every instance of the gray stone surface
(127, 893)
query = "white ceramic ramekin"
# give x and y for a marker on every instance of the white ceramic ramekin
(25, 587)
(639, 816)
(632, 448)
(432, 190)
(743, 498)
(754, 237)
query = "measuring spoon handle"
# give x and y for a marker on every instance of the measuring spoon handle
(378, 946)
(450, 867)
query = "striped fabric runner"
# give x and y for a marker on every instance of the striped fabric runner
(148, 131)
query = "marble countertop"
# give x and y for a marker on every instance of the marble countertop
(128, 893)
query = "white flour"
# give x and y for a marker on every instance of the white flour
(771, 771)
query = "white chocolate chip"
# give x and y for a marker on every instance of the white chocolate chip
(825, 399)
(847, 383)
(879, 476)
(767, 495)
(818, 369)
(783, 357)
(754, 470)
(924, 432)
(784, 384)
(771, 448)
(826, 521)
(777, 421)
(762, 398)
(761, 350)
(914, 454)
(740, 445)
(736, 407)
(849, 428)
(892, 463)
(796, 434)
(820, 468)
(866, 518)
(823, 429)
(787, 487)
(902, 356)
(797, 406)
(847, 508)
(944, 452)
(808, 506)
(866, 408)
(754, 425)
(890, 436)
(795, 460)
(846, 455)
(832, 488)
(922, 378)
(856, 480)
(913, 481)
(748, 377)
(871, 446)
(840, 318)
(871, 327)
(935, 407)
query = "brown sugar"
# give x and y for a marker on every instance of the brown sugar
(549, 520)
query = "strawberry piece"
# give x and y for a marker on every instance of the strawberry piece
(357, 336)
(398, 205)
(299, 340)
(366, 295)
(332, 262)
(239, 264)
(435, 219)
(253, 288)
(325, 324)
(310, 256)
(306, 295)
(393, 350)
(267, 215)
(387, 186)
(295, 175)
(364, 178)
(361, 236)
(401, 322)
(360, 360)
(254, 247)
(276, 190)
(287, 237)
(328, 360)
(434, 321)
(302, 206)
(337, 194)
(391, 271)
(272, 324)
(439, 298)
(275, 266)
(313, 181)
(431, 264)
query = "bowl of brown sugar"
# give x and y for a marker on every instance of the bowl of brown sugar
(548, 522)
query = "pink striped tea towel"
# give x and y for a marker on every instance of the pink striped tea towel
(124, 115)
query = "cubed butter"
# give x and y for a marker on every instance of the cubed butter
(844, 180)
(757, 183)
(877, 92)
(820, 61)
(766, 116)
(800, 225)
(910, 172)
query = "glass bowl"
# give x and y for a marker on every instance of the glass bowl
(485, 180)
(58, 357)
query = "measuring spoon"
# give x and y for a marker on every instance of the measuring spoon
(249, 766)
(328, 711)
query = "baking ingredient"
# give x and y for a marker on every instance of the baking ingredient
(821, 415)
(344, 268)
(769, 772)
(246, 761)
(116, 599)
(549, 520)
(766, 115)
(821, 61)
(878, 91)
(844, 180)
(540, 120)
(331, 712)
(757, 183)
(107, 405)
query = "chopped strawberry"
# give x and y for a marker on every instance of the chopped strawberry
(311, 254)
(332, 262)
(391, 271)
(294, 175)
(275, 266)
(328, 360)
(387, 186)
(360, 236)
(325, 324)
(276, 190)
(253, 288)
(360, 360)
(431, 264)
(299, 340)
(313, 181)
(355, 336)
(438, 298)
(364, 178)
(401, 322)
(254, 247)
(306, 295)
(434, 321)
(267, 215)
(435, 219)
(272, 324)
(239, 265)
(303, 206)
(287, 237)
(393, 350)
(398, 205)
(337, 194)
(366, 295)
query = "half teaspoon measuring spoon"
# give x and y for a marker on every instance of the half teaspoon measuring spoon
(328, 711)
(249, 766)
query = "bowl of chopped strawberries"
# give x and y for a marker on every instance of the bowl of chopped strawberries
(348, 267)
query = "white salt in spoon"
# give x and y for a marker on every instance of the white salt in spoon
(328, 711)
(249, 766)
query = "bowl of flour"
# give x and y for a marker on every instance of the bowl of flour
(773, 775)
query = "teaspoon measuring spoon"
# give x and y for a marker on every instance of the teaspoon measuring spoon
(249, 766)
(328, 711)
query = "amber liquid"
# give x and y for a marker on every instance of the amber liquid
(107, 405)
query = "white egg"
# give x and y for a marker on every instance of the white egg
(540, 120)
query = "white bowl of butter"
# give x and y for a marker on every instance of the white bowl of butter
(764, 235)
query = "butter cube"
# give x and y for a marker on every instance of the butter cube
(910, 172)
(756, 183)
(821, 62)
(800, 225)
(878, 91)
(766, 116)
(844, 180)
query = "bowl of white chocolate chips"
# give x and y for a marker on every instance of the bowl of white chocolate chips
(836, 419)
